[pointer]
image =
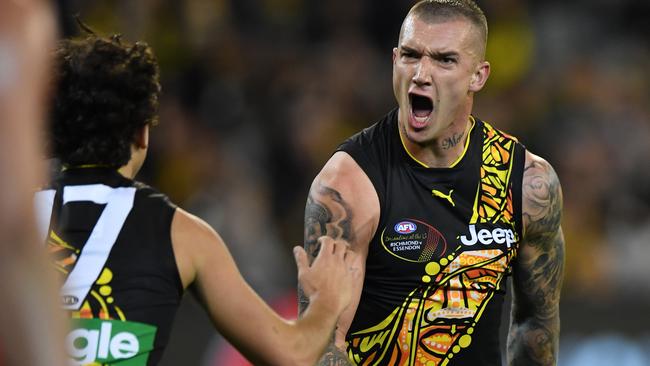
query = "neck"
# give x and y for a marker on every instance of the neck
(131, 169)
(443, 151)
(128, 171)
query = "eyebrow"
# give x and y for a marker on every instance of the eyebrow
(435, 55)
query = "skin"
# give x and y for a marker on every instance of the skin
(205, 263)
(32, 327)
(342, 204)
(539, 269)
(444, 61)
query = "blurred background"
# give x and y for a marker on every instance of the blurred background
(258, 93)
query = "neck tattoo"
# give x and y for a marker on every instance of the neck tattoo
(452, 141)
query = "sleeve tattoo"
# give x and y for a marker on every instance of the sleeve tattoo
(534, 334)
(327, 214)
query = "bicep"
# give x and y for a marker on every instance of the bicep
(342, 204)
(539, 268)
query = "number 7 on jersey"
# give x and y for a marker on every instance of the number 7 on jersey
(93, 256)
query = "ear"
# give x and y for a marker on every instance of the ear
(142, 137)
(480, 76)
(395, 50)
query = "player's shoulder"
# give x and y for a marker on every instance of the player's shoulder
(490, 131)
(187, 227)
(341, 170)
(542, 196)
(150, 195)
(537, 167)
(375, 134)
(363, 155)
(347, 188)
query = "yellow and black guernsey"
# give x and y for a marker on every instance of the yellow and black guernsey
(110, 239)
(435, 273)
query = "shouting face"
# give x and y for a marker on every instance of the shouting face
(437, 67)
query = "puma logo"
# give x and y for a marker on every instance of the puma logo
(437, 193)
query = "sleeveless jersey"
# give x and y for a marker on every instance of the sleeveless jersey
(434, 283)
(110, 239)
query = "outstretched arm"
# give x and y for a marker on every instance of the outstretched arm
(242, 317)
(342, 204)
(539, 268)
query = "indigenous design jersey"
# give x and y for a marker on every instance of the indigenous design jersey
(110, 239)
(434, 284)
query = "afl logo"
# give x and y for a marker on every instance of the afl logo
(413, 240)
(69, 300)
(405, 227)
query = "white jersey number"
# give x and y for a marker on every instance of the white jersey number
(93, 256)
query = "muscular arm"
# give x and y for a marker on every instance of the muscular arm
(342, 204)
(538, 272)
(241, 316)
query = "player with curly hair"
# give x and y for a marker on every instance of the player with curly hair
(127, 253)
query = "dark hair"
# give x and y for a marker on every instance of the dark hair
(439, 10)
(107, 89)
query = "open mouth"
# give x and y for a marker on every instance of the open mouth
(421, 106)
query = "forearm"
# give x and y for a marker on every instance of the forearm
(333, 356)
(313, 343)
(328, 354)
(534, 341)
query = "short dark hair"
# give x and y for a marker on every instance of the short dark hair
(442, 10)
(106, 90)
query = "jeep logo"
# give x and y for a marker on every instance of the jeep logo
(487, 237)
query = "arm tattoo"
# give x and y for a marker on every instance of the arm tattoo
(333, 357)
(539, 269)
(326, 213)
(542, 200)
(452, 141)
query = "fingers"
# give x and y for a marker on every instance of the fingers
(326, 244)
(334, 249)
(302, 262)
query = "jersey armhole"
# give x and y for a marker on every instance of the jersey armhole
(177, 277)
(517, 186)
